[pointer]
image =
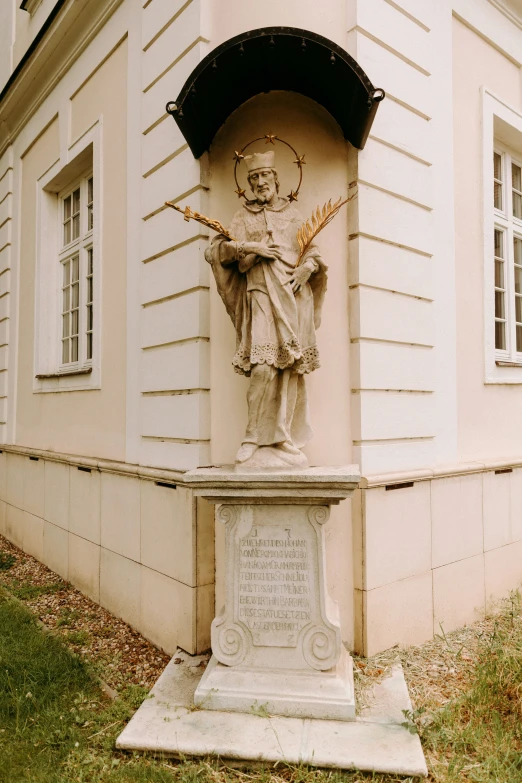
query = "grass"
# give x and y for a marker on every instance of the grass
(57, 726)
(478, 737)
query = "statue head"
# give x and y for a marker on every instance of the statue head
(262, 176)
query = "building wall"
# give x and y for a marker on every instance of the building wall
(401, 389)
(489, 415)
(434, 554)
(142, 549)
(64, 422)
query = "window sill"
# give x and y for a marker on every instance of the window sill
(64, 374)
(501, 363)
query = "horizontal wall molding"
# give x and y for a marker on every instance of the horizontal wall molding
(443, 471)
(103, 465)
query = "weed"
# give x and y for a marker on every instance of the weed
(7, 561)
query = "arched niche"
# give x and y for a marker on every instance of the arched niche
(313, 132)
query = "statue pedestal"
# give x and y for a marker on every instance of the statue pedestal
(276, 644)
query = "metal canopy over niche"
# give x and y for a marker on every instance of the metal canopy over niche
(274, 58)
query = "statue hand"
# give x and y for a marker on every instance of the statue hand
(300, 276)
(269, 253)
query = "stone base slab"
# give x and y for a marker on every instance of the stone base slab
(167, 722)
(297, 694)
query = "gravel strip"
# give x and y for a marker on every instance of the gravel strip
(119, 655)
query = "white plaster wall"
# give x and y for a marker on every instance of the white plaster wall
(232, 17)
(64, 422)
(490, 416)
(7, 30)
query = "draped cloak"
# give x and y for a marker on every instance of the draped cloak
(273, 326)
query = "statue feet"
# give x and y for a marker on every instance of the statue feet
(246, 451)
(282, 456)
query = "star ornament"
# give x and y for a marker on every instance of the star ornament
(238, 156)
(270, 138)
(240, 192)
(300, 161)
(292, 196)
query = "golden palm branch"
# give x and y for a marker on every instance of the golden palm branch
(320, 218)
(189, 214)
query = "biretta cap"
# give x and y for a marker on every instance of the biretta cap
(260, 160)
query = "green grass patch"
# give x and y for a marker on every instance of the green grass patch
(7, 561)
(27, 592)
(478, 737)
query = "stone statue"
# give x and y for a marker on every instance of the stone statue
(275, 307)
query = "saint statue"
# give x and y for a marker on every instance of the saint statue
(275, 306)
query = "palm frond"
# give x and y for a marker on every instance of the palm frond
(319, 220)
(190, 214)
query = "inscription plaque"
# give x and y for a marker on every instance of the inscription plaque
(273, 599)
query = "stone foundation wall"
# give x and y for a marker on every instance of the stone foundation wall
(134, 540)
(434, 550)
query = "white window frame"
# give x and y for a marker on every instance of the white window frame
(50, 374)
(78, 247)
(511, 227)
(501, 132)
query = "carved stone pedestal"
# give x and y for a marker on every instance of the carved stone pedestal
(277, 643)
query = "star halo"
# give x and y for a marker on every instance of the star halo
(269, 138)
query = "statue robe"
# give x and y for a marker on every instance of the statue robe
(273, 326)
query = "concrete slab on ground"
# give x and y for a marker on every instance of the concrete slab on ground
(378, 740)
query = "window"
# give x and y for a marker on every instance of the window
(507, 255)
(68, 280)
(77, 273)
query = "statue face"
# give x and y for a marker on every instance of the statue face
(263, 184)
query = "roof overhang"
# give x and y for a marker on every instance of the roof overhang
(274, 58)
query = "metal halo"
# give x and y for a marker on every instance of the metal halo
(270, 139)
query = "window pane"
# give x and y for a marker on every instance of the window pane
(74, 349)
(89, 190)
(89, 346)
(497, 165)
(499, 304)
(75, 295)
(65, 352)
(74, 319)
(500, 336)
(65, 325)
(75, 268)
(67, 233)
(76, 227)
(89, 290)
(66, 299)
(517, 248)
(497, 195)
(89, 260)
(76, 201)
(516, 179)
(499, 244)
(518, 309)
(90, 219)
(517, 205)
(497, 186)
(89, 318)
(66, 273)
(519, 339)
(499, 274)
(518, 280)
(67, 208)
